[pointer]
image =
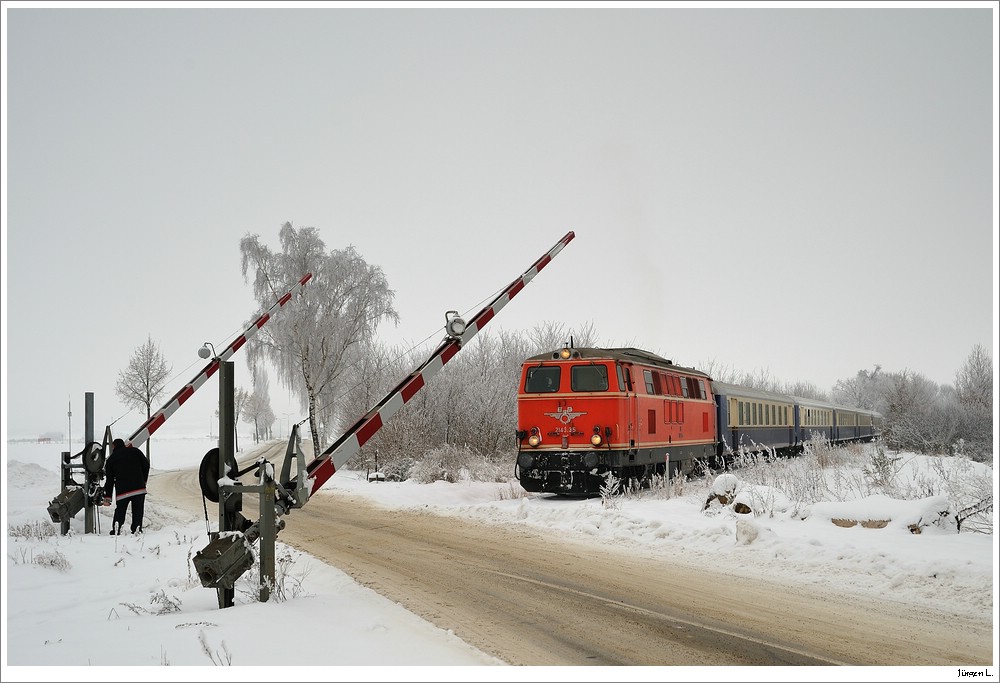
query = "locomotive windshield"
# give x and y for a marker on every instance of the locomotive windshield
(589, 378)
(541, 379)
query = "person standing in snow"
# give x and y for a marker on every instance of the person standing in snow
(127, 470)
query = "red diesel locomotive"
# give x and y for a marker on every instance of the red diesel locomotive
(584, 412)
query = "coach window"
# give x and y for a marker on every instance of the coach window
(542, 379)
(741, 413)
(589, 378)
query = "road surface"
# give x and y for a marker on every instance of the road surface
(530, 599)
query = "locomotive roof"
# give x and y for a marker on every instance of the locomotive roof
(627, 353)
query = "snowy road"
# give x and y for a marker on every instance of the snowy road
(534, 600)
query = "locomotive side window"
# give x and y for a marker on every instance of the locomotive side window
(684, 387)
(589, 378)
(648, 375)
(701, 388)
(542, 379)
(621, 378)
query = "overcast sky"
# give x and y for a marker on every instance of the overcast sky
(806, 191)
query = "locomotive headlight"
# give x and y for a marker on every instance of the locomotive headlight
(534, 438)
(564, 354)
(596, 439)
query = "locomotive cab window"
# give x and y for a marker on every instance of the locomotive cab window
(542, 379)
(589, 378)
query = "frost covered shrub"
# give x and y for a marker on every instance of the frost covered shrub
(881, 469)
(286, 585)
(55, 559)
(440, 464)
(459, 463)
(398, 469)
(30, 530)
(611, 494)
(481, 468)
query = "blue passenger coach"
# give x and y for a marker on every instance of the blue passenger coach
(752, 419)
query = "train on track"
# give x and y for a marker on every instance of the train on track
(583, 413)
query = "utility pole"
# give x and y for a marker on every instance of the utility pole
(227, 454)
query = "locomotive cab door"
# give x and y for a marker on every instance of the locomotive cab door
(632, 405)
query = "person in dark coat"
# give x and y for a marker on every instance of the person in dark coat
(127, 470)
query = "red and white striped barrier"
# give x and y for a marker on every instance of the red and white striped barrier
(324, 466)
(160, 416)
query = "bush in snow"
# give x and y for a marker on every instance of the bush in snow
(611, 491)
(456, 463)
(32, 530)
(55, 559)
(398, 469)
(882, 468)
(439, 464)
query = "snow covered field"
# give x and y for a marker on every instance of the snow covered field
(94, 600)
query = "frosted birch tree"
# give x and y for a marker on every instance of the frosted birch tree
(258, 411)
(315, 342)
(144, 379)
(974, 391)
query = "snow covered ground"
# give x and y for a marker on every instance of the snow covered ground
(95, 601)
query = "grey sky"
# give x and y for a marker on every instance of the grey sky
(806, 191)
